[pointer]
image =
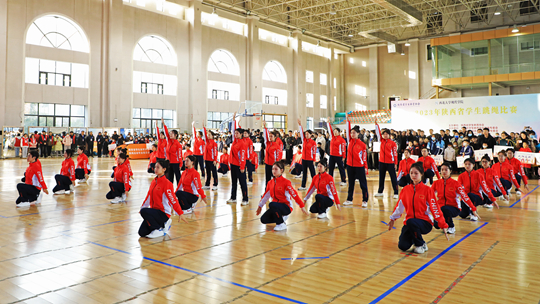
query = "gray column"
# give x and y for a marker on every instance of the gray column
(373, 78)
(253, 77)
(3, 60)
(198, 99)
(298, 109)
(414, 68)
(114, 107)
(330, 85)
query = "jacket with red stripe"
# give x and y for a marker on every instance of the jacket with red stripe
(309, 147)
(249, 144)
(324, 184)
(404, 167)
(224, 159)
(162, 145)
(161, 196)
(429, 163)
(474, 182)
(492, 179)
(357, 153)
(34, 175)
(297, 159)
(417, 201)
(505, 171)
(210, 148)
(518, 168)
(388, 153)
(238, 154)
(68, 168)
(338, 145)
(254, 159)
(280, 190)
(174, 148)
(121, 175)
(191, 183)
(273, 152)
(198, 145)
(449, 192)
(82, 163)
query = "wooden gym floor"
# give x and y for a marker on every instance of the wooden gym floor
(82, 249)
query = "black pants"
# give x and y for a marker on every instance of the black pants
(321, 204)
(49, 150)
(211, 170)
(223, 168)
(506, 184)
(79, 173)
(117, 189)
(337, 160)
(297, 170)
(43, 149)
(199, 162)
(27, 193)
(250, 168)
(449, 212)
(307, 164)
(465, 210)
(153, 219)
(404, 180)
(99, 147)
(383, 167)
(428, 175)
(267, 174)
(518, 178)
(357, 173)
(186, 199)
(411, 233)
(151, 168)
(62, 183)
(275, 213)
(238, 176)
(289, 155)
(106, 150)
(174, 170)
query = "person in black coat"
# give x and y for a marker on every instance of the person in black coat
(90, 144)
(486, 138)
(99, 140)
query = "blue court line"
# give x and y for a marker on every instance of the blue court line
(200, 273)
(312, 258)
(412, 275)
(387, 224)
(524, 197)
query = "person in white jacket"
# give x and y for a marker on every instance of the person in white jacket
(450, 155)
(66, 141)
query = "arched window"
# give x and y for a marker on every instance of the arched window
(57, 32)
(156, 50)
(224, 62)
(274, 71)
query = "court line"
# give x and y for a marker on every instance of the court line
(310, 258)
(412, 275)
(387, 224)
(524, 196)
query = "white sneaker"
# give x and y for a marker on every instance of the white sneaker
(250, 183)
(38, 201)
(489, 206)
(421, 249)
(67, 192)
(451, 230)
(347, 203)
(167, 226)
(245, 203)
(116, 200)
(285, 218)
(124, 197)
(206, 187)
(71, 187)
(509, 191)
(231, 201)
(155, 234)
(343, 184)
(298, 177)
(364, 204)
(188, 211)
(82, 180)
(302, 189)
(280, 227)
(518, 193)
(396, 196)
(214, 188)
(474, 217)
(322, 215)
(59, 192)
(23, 204)
(378, 195)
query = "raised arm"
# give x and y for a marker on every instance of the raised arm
(301, 130)
(330, 128)
(165, 129)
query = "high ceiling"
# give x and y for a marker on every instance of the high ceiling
(363, 22)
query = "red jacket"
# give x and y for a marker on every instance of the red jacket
(492, 179)
(249, 144)
(68, 168)
(450, 192)
(417, 201)
(191, 183)
(309, 147)
(254, 159)
(474, 182)
(161, 196)
(224, 159)
(24, 142)
(238, 154)
(34, 175)
(188, 153)
(357, 153)
(121, 175)
(82, 163)
(273, 152)
(324, 184)
(338, 145)
(153, 158)
(174, 148)
(162, 145)
(280, 190)
(505, 171)
(429, 163)
(297, 159)
(128, 165)
(198, 145)
(17, 142)
(210, 148)
(405, 167)
(388, 153)
(518, 168)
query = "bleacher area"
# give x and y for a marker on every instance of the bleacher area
(367, 117)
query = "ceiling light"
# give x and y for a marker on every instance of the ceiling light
(515, 29)
(333, 11)
(350, 35)
(497, 13)
(407, 43)
(402, 53)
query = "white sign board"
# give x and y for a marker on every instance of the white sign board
(496, 150)
(376, 146)
(460, 161)
(478, 154)
(526, 158)
(257, 147)
(439, 160)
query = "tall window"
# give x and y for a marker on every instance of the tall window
(152, 83)
(358, 90)
(54, 115)
(323, 79)
(57, 32)
(222, 61)
(335, 103)
(274, 71)
(214, 119)
(147, 118)
(309, 100)
(324, 102)
(276, 121)
(309, 76)
(49, 72)
(155, 49)
(360, 107)
(309, 123)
